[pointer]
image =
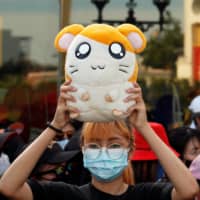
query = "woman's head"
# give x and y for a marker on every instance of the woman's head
(107, 139)
(107, 132)
(186, 141)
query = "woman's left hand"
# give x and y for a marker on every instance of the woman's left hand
(137, 112)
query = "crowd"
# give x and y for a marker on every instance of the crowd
(132, 159)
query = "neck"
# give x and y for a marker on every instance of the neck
(116, 187)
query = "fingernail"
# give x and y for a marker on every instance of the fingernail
(73, 88)
(73, 99)
(126, 100)
(129, 90)
(74, 115)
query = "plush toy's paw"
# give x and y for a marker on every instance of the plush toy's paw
(108, 98)
(112, 96)
(85, 96)
(117, 113)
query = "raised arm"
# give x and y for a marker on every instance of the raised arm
(13, 182)
(185, 186)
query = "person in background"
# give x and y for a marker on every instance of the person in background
(195, 170)
(194, 108)
(77, 174)
(11, 140)
(146, 165)
(64, 139)
(186, 141)
(4, 158)
(51, 165)
(106, 148)
(71, 128)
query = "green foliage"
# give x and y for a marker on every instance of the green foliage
(164, 48)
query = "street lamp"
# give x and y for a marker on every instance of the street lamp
(161, 5)
(100, 4)
(131, 4)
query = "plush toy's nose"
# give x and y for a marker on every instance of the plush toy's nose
(95, 67)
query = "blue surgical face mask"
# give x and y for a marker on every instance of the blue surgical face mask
(103, 168)
(63, 143)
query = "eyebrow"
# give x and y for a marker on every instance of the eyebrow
(114, 138)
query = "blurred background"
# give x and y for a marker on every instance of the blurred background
(31, 70)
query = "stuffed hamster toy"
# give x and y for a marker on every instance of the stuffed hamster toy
(101, 62)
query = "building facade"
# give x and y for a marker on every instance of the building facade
(188, 66)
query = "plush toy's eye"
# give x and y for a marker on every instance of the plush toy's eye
(83, 50)
(117, 50)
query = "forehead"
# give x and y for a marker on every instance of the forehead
(104, 138)
(192, 143)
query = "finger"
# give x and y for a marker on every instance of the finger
(132, 97)
(73, 112)
(74, 115)
(131, 109)
(67, 88)
(67, 82)
(134, 90)
(136, 85)
(61, 100)
(72, 109)
(67, 97)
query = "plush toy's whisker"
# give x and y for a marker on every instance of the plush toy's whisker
(121, 65)
(123, 70)
(76, 70)
(71, 66)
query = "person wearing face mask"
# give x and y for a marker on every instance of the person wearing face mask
(71, 128)
(107, 148)
(186, 141)
(51, 165)
(195, 170)
(63, 140)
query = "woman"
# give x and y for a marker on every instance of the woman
(106, 148)
(186, 141)
(195, 170)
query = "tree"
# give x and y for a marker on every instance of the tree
(164, 48)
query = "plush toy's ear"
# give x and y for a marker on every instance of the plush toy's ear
(134, 35)
(66, 35)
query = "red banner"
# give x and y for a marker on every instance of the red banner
(196, 63)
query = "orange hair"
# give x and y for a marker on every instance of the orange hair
(92, 130)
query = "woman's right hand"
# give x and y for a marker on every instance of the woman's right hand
(63, 112)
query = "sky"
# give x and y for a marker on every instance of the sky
(84, 10)
(39, 19)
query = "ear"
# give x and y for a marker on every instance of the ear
(65, 37)
(134, 35)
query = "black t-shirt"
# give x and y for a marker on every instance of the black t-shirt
(63, 191)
